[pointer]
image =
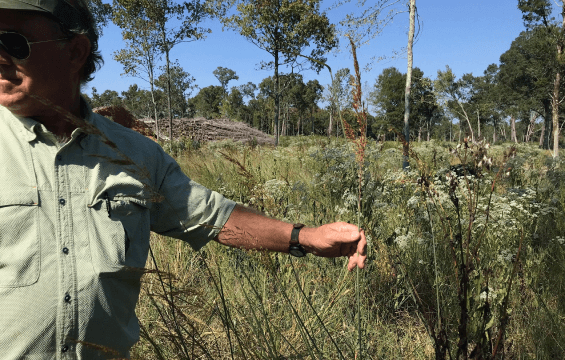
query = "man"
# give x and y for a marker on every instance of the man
(79, 195)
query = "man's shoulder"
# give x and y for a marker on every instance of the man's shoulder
(123, 137)
(140, 149)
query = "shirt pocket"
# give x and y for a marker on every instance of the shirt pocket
(119, 235)
(19, 238)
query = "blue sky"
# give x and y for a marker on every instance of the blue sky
(466, 35)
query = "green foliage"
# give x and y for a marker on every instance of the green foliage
(208, 101)
(139, 102)
(285, 29)
(102, 13)
(161, 25)
(370, 19)
(107, 98)
(535, 12)
(181, 146)
(526, 73)
(233, 106)
(224, 76)
(388, 98)
(475, 100)
(338, 92)
(295, 100)
(248, 90)
(182, 86)
(141, 54)
(527, 67)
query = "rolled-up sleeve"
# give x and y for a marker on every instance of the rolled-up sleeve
(187, 210)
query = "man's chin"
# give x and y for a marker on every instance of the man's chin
(19, 104)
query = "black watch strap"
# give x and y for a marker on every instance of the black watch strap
(295, 248)
(294, 234)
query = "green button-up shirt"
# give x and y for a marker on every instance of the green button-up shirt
(75, 222)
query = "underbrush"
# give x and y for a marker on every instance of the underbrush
(466, 257)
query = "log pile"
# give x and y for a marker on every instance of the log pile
(123, 117)
(199, 129)
(204, 130)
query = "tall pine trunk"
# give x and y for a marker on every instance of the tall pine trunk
(555, 99)
(555, 112)
(167, 51)
(330, 127)
(555, 109)
(547, 124)
(478, 127)
(277, 90)
(154, 103)
(312, 118)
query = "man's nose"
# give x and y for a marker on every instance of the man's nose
(5, 58)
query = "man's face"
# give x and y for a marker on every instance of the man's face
(45, 73)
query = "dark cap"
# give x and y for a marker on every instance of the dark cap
(62, 10)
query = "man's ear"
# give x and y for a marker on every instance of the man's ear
(79, 52)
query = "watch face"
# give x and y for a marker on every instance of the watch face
(296, 251)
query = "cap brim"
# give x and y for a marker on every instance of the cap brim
(19, 5)
(61, 10)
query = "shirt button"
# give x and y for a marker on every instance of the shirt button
(64, 348)
(62, 201)
(67, 298)
(65, 250)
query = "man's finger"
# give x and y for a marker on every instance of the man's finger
(362, 244)
(352, 262)
(360, 256)
(356, 260)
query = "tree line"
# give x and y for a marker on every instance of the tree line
(517, 99)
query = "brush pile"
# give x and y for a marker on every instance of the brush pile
(199, 129)
(204, 130)
(123, 117)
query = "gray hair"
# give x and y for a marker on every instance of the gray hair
(85, 26)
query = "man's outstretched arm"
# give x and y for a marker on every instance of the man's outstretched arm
(247, 228)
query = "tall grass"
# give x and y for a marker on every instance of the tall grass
(468, 256)
(255, 305)
(360, 142)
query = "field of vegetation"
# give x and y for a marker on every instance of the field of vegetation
(466, 257)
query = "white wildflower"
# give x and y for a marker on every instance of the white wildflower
(413, 202)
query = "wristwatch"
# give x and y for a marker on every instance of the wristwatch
(295, 248)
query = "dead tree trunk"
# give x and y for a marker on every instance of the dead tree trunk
(531, 127)
(555, 98)
(513, 129)
(330, 127)
(542, 138)
(406, 147)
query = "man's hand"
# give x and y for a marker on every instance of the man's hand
(247, 228)
(335, 240)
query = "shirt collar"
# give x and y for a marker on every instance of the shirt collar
(31, 127)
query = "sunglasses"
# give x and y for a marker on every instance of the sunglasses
(17, 45)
